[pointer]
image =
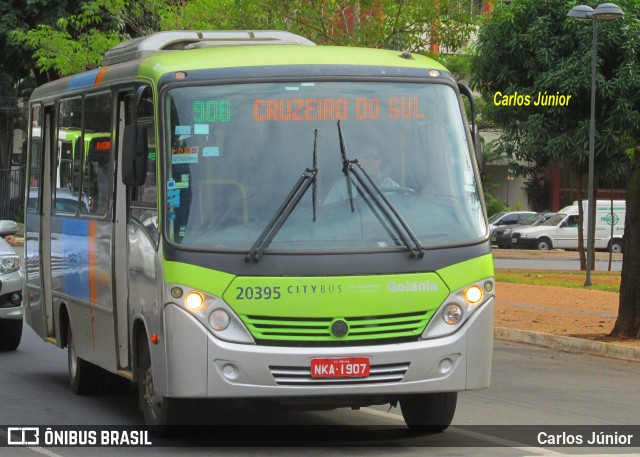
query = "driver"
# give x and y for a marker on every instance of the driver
(370, 159)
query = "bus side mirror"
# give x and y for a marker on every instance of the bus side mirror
(134, 155)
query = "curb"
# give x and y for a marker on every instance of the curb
(569, 344)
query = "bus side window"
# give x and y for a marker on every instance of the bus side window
(68, 156)
(33, 202)
(144, 206)
(97, 176)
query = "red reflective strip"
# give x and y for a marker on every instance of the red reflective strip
(93, 277)
(93, 283)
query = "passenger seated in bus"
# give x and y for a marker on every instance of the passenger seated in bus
(370, 159)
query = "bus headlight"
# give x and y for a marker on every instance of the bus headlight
(219, 319)
(452, 314)
(473, 294)
(458, 307)
(211, 311)
(194, 300)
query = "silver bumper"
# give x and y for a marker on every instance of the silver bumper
(200, 366)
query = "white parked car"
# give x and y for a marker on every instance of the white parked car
(11, 281)
(561, 231)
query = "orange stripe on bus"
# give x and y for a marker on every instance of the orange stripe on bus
(100, 75)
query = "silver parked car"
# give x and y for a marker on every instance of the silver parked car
(11, 280)
(507, 218)
(502, 235)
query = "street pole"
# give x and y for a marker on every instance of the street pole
(584, 12)
(591, 213)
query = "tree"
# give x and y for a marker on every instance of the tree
(628, 321)
(530, 47)
(77, 41)
(74, 43)
(17, 17)
(17, 77)
(393, 24)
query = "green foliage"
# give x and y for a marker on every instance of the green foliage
(17, 64)
(493, 205)
(74, 44)
(606, 281)
(76, 41)
(403, 25)
(458, 64)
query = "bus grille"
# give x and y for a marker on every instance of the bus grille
(363, 329)
(301, 376)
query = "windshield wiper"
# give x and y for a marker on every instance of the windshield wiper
(307, 179)
(368, 185)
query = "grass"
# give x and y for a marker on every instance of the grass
(600, 280)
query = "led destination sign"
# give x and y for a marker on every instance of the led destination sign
(326, 109)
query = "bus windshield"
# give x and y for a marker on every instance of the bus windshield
(235, 152)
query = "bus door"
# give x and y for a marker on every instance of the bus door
(136, 227)
(38, 308)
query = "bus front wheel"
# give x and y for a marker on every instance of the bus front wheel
(84, 377)
(429, 413)
(159, 412)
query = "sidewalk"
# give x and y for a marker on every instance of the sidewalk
(575, 320)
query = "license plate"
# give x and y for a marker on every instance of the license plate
(514, 240)
(493, 238)
(344, 367)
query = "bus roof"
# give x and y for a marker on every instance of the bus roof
(156, 64)
(185, 39)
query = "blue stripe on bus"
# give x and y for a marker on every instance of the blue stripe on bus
(87, 79)
(75, 254)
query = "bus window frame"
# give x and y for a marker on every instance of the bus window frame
(39, 153)
(136, 97)
(79, 148)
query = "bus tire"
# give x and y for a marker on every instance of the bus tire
(615, 247)
(85, 378)
(429, 413)
(160, 413)
(10, 334)
(543, 244)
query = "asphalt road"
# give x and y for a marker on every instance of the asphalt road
(530, 386)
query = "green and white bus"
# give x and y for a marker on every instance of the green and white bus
(269, 219)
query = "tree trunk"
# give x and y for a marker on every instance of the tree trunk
(628, 322)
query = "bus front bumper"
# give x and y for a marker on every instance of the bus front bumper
(201, 366)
